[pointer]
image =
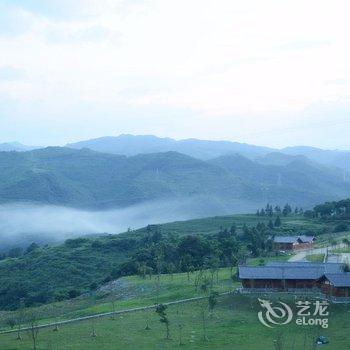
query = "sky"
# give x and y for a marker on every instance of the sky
(272, 72)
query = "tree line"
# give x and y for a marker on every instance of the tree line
(277, 210)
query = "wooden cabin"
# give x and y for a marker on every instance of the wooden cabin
(337, 285)
(326, 277)
(291, 243)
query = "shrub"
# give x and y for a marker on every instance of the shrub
(341, 227)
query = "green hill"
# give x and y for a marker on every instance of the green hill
(290, 180)
(204, 149)
(84, 178)
(46, 274)
(135, 144)
(89, 179)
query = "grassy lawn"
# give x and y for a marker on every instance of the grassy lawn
(263, 261)
(233, 325)
(129, 292)
(341, 250)
(327, 238)
(316, 258)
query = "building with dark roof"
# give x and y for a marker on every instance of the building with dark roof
(337, 284)
(290, 243)
(328, 278)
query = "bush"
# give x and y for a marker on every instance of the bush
(73, 293)
(340, 228)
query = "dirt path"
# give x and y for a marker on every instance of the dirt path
(301, 256)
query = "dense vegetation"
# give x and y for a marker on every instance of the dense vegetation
(44, 274)
(202, 149)
(168, 262)
(56, 273)
(340, 209)
(84, 178)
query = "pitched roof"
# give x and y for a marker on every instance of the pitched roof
(339, 279)
(328, 267)
(285, 239)
(279, 272)
(293, 239)
(307, 239)
(288, 271)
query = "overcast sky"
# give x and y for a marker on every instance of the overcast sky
(270, 72)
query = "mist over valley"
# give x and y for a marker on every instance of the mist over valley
(50, 194)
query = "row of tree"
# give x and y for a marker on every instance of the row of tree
(270, 210)
(340, 209)
(17, 252)
(172, 253)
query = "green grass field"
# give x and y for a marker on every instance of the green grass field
(341, 250)
(315, 258)
(130, 292)
(233, 325)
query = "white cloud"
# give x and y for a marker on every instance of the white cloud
(223, 61)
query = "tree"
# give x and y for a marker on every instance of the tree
(15, 252)
(309, 214)
(270, 225)
(112, 297)
(214, 269)
(233, 262)
(340, 227)
(161, 311)
(33, 329)
(32, 247)
(142, 270)
(93, 329)
(212, 301)
(20, 318)
(346, 241)
(278, 222)
(205, 289)
(233, 229)
(278, 210)
(287, 210)
(269, 210)
(159, 265)
(171, 269)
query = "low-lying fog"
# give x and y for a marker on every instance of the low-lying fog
(22, 224)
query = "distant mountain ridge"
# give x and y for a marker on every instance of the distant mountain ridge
(203, 149)
(15, 146)
(90, 179)
(85, 178)
(335, 158)
(132, 145)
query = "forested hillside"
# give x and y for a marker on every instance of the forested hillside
(135, 144)
(204, 149)
(45, 274)
(84, 178)
(89, 179)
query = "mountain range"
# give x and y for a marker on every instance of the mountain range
(15, 146)
(132, 144)
(222, 178)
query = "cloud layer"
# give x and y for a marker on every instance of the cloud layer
(184, 68)
(22, 224)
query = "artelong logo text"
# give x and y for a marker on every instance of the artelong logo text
(308, 313)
